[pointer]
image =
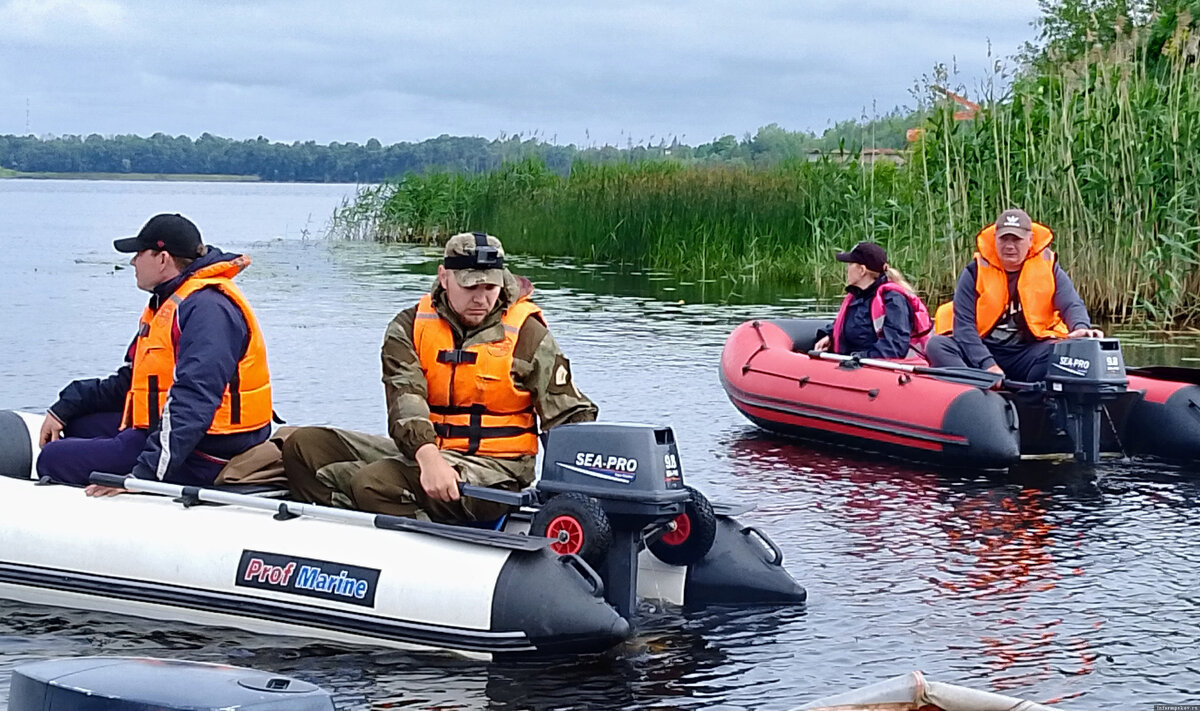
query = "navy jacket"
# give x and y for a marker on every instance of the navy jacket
(213, 337)
(1066, 300)
(858, 332)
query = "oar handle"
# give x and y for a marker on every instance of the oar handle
(1022, 386)
(868, 362)
(499, 496)
(116, 481)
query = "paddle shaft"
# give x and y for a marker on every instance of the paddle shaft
(292, 508)
(984, 377)
(966, 376)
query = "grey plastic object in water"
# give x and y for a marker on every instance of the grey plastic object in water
(143, 684)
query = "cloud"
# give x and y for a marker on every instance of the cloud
(49, 20)
(304, 69)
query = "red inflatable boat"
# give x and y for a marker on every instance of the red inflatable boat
(1089, 404)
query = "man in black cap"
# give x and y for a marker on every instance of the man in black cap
(1010, 304)
(194, 390)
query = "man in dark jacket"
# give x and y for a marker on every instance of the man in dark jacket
(194, 390)
(1012, 301)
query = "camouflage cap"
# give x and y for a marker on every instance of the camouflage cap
(475, 258)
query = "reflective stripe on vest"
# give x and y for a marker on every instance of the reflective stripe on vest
(1035, 288)
(474, 404)
(245, 404)
(922, 326)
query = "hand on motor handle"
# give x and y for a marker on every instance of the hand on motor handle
(51, 430)
(1086, 333)
(996, 369)
(822, 344)
(438, 478)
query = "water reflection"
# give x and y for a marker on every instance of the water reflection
(998, 564)
(677, 659)
(389, 262)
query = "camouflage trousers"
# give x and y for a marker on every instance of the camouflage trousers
(355, 470)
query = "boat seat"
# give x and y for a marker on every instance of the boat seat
(802, 331)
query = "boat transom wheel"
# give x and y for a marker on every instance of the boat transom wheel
(567, 533)
(690, 535)
(577, 524)
(681, 528)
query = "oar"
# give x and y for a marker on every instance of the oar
(965, 376)
(292, 509)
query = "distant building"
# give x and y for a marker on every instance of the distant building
(868, 156)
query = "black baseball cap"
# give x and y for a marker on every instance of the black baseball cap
(868, 254)
(174, 234)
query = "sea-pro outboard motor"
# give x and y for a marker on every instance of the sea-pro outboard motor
(609, 491)
(606, 489)
(1083, 376)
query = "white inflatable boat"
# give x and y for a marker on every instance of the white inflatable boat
(350, 577)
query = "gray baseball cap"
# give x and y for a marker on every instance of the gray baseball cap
(475, 258)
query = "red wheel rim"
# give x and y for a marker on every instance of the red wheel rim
(567, 534)
(683, 529)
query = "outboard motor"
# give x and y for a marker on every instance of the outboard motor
(607, 489)
(1083, 376)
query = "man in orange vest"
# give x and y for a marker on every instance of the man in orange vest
(1010, 303)
(194, 390)
(469, 373)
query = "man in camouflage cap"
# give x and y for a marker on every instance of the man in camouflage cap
(469, 372)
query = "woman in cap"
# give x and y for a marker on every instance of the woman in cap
(881, 316)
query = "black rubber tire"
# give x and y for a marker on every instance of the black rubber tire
(590, 522)
(702, 522)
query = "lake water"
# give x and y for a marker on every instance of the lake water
(1049, 582)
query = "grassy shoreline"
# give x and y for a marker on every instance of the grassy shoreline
(180, 177)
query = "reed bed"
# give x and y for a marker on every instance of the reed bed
(1105, 151)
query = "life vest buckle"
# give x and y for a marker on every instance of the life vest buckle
(457, 356)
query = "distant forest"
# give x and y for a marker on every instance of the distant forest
(374, 162)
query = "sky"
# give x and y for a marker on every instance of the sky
(567, 71)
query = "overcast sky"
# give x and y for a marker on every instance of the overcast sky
(604, 71)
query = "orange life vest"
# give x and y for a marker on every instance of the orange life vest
(1035, 288)
(246, 402)
(474, 404)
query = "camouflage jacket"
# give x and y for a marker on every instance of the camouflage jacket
(539, 368)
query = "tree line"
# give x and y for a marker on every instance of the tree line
(374, 162)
